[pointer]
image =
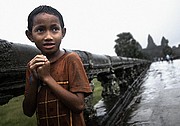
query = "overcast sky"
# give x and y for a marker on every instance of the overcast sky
(92, 25)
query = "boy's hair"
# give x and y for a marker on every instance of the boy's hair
(44, 9)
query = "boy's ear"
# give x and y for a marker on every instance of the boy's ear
(29, 35)
(64, 32)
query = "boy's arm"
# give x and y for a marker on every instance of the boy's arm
(29, 103)
(75, 102)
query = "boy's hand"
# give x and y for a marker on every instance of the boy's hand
(43, 71)
(36, 62)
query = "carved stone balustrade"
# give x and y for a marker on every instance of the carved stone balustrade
(120, 78)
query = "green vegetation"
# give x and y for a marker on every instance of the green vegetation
(97, 91)
(127, 46)
(11, 114)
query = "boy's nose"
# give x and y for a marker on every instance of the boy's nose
(48, 36)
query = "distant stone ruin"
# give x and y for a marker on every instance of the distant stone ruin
(153, 51)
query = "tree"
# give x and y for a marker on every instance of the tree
(167, 50)
(127, 46)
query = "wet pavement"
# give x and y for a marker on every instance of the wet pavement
(158, 101)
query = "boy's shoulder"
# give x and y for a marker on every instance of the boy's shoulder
(70, 53)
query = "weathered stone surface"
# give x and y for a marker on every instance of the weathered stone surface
(13, 60)
(151, 43)
(154, 52)
(118, 77)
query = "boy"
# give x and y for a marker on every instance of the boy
(56, 83)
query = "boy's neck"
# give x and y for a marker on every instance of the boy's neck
(55, 56)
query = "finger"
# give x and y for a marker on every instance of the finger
(47, 62)
(38, 58)
(35, 65)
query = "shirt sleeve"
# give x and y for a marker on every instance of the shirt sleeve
(78, 79)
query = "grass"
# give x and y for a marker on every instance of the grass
(97, 91)
(11, 114)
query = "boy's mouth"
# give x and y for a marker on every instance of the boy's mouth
(49, 45)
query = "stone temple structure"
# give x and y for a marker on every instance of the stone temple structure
(157, 51)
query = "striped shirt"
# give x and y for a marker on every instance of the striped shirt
(68, 71)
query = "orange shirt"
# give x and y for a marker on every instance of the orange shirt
(68, 71)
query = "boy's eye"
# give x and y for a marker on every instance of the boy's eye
(55, 29)
(39, 30)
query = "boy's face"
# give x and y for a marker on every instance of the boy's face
(47, 33)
